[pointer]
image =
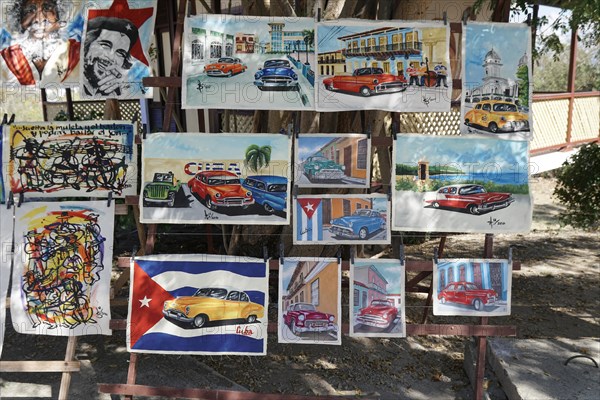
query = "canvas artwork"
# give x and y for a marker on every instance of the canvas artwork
(40, 42)
(472, 287)
(198, 304)
(342, 219)
(497, 93)
(86, 159)
(216, 178)
(392, 65)
(310, 301)
(3, 144)
(377, 298)
(333, 160)
(6, 239)
(62, 268)
(461, 184)
(116, 47)
(248, 62)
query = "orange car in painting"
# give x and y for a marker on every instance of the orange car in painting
(366, 81)
(225, 66)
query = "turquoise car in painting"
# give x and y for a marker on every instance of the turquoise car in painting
(269, 191)
(360, 225)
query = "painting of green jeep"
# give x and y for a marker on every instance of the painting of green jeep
(163, 190)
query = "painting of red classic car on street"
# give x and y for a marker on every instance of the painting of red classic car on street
(377, 298)
(310, 301)
(461, 184)
(341, 219)
(333, 160)
(383, 65)
(208, 178)
(232, 62)
(472, 287)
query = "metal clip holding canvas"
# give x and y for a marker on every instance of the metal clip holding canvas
(352, 251)
(109, 200)
(281, 248)
(10, 201)
(435, 255)
(319, 14)
(133, 252)
(395, 129)
(21, 199)
(189, 8)
(365, 125)
(510, 255)
(4, 119)
(445, 17)
(265, 253)
(339, 255)
(465, 16)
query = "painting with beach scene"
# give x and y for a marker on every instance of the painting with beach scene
(226, 178)
(461, 184)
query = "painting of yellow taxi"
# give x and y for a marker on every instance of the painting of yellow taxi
(496, 92)
(211, 306)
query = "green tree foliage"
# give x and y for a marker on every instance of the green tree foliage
(578, 188)
(551, 75)
(257, 157)
(523, 82)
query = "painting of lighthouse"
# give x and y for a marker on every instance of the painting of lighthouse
(496, 94)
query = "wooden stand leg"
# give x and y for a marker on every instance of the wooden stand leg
(132, 372)
(65, 381)
(429, 300)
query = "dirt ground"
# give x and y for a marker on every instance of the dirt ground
(555, 294)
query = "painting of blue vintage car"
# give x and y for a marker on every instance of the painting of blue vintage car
(360, 225)
(276, 74)
(269, 191)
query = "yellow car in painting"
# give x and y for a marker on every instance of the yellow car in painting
(497, 116)
(213, 304)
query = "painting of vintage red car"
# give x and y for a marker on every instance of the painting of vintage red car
(220, 189)
(472, 198)
(304, 317)
(467, 293)
(225, 66)
(366, 81)
(381, 313)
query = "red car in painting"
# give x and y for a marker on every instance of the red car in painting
(366, 81)
(473, 198)
(304, 317)
(469, 294)
(380, 314)
(220, 189)
(225, 66)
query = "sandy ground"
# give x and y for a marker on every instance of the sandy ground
(555, 294)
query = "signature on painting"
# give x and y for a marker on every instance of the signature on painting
(495, 222)
(210, 215)
(305, 231)
(427, 100)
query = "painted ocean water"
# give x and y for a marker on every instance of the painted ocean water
(502, 178)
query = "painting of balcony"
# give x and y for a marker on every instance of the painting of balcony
(386, 66)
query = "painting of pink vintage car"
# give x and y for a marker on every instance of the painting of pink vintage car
(381, 313)
(304, 317)
(470, 197)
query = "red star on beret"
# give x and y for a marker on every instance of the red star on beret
(120, 9)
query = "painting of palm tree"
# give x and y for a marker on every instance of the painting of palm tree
(257, 157)
(309, 40)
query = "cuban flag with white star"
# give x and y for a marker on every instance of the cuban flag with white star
(309, 219)
(198, 304)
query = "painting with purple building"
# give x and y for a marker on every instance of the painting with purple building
(472, 287)
(377, 298)
(389, 65)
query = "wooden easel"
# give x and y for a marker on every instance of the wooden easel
(424, 270)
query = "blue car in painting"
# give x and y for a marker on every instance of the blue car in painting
(360, 225)
(276, 74)
(268, 191)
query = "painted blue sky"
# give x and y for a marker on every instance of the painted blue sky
(248, 24)
(477, 153)
(213, 146)
(309, 145)
(510, 41)
(327, 36)
(380, 204)
(391, 271)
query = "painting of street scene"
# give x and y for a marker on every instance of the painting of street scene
(383, 66)
(240, 62)
(461, 184)
(341, 219)
(330, 160)
(472, 287)
(377, 298)
(496, 89)
(310, 310)
(193, 178)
